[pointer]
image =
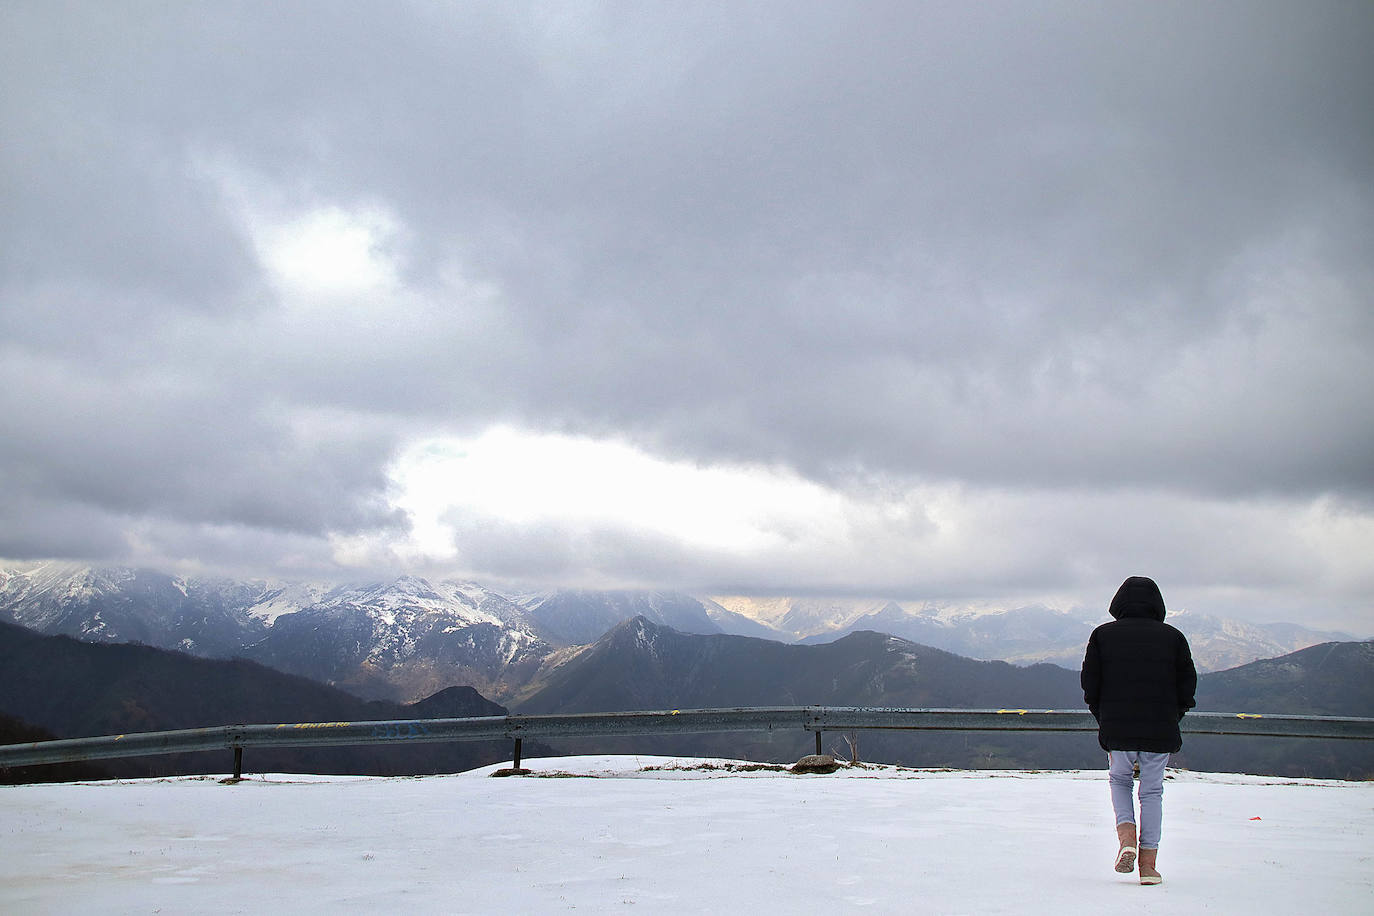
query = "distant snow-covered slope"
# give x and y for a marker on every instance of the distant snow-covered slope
(404, 639)
(800, 618)
(1022, 635)
(206, 617)
(735, 624)
(575, 617)
(1219, 644)
(401, 640)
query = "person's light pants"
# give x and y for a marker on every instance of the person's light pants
(1151, 792)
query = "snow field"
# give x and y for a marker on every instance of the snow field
(624, 839)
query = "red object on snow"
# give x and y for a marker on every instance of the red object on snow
(1256, 818)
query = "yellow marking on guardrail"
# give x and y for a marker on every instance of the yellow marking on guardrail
(1248, 715)
(1019, 712)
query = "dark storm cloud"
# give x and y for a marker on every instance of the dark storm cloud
(1060, 246)
(131, 444)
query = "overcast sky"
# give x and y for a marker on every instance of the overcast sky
(957, 302)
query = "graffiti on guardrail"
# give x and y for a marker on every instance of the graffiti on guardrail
(391, 730)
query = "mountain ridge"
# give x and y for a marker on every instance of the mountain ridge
(641, 665)
(74, 688)
(405, 638)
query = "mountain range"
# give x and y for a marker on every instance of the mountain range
(69, 688)
(643, 665)
(407, 638)
(64, 687)
(1021, 635)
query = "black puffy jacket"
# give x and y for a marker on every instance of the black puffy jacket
(1138, 676)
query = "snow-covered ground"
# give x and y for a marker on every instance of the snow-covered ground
(630, 839)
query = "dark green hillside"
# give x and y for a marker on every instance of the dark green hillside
(639, 665)
(1332, 679)
(13, 731)
(75, 689)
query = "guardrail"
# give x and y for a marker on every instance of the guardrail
(815, 719)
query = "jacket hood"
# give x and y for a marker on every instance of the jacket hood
(1138, 597)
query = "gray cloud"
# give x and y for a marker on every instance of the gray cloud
(1052, 248)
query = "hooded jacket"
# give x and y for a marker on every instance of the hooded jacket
(1138, 676)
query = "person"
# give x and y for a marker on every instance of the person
(1138, 680)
